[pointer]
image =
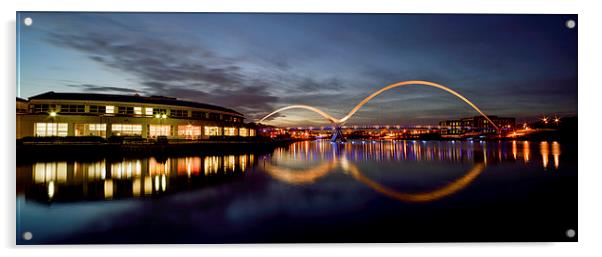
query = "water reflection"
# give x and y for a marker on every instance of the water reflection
(69, 181)
(556, 154)
(331, 157)
(303, 163)
(307, 188)
(432, 195)
(419, 151)
(544, 149)
(312, 174)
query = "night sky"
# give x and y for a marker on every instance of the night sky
(521, 66)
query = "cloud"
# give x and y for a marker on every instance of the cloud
(252, 100)
(311, 84)
(192, 72)
(95, 88)
(153, 60)
(173, 69)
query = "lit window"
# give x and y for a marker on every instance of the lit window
(189, 131)
(212, 131)
(50, 129)
(110, 109)
(229, 131)
(251, 132)
(149, 111)
(243, 132)
(126, 129)
(159, 130)
(90, 130)
(138, 110)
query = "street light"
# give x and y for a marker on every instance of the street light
(52, 114)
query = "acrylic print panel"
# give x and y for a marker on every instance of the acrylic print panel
(271, 128)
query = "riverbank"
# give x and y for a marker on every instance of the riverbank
(39, 151)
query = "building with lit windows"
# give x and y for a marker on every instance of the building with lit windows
(476, 124)
(105, 115)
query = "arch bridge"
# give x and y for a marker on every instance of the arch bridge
(337, 134)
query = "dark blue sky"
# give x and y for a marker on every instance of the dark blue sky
(511, 65)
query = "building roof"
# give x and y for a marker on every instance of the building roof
(51, 95)
(21, 100)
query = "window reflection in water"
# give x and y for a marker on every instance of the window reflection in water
(72, 181)
(556, 154)
(526, 151)
(211, 164)
(514, 150)
(544, 149)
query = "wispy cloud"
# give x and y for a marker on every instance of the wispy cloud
(96, 88)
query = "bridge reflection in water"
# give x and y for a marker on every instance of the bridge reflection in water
(343, 157)
(302, 163)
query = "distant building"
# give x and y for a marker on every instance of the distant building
(476, 124)
(456, 127)
(104, 115)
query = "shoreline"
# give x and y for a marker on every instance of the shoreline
(32, 152)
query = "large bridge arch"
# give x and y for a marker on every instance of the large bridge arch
(373, 95)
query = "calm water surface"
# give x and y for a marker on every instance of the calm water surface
(312, 191)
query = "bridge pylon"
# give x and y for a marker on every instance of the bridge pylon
(337, 134)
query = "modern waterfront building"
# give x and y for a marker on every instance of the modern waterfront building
(476, 124)
(105, 115)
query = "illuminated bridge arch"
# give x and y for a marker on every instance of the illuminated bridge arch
(307, 107)
(391, 86)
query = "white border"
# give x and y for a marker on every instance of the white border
(589, 22)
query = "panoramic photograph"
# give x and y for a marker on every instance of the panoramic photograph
(229, 128)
